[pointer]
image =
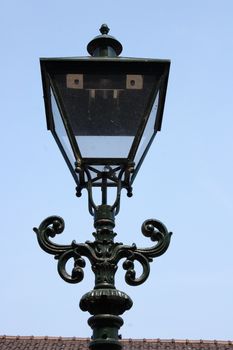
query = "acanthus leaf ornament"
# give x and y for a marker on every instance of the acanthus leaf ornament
(103, 254)
(105, 303)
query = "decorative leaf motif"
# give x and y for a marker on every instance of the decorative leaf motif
(103, 254)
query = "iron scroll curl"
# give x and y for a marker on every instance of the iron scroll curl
(50, 227)
(157, 232)
(103, 252)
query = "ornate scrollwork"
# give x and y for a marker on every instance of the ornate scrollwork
(103, 254)
(50, 227)
(77, 273)
(128, 265)
(104, 302)
(158, 232)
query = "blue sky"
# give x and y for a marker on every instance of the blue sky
(185, 181)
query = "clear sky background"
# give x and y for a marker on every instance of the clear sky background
(185, 181)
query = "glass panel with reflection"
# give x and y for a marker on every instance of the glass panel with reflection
(105, 111)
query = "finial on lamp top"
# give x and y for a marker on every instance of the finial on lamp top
(104, 45)
(104, 29)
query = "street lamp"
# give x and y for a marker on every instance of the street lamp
(104, 112)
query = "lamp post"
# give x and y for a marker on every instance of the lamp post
(104, 112)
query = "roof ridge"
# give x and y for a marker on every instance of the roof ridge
(43, 337)
(148, 340)
(172, 340)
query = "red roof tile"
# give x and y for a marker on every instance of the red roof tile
(60, 343)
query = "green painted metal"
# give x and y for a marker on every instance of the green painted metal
(105, 302)
(104, 45)
(104, 59)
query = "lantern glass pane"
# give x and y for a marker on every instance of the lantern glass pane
(105, 111)
(60, 130)
(149, 131)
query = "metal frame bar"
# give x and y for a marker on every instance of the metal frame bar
(141, 129)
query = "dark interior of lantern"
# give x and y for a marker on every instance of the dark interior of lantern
(105, 104)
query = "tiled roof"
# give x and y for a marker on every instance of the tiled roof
(59, 343)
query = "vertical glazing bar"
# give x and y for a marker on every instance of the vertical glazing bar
(104, 189)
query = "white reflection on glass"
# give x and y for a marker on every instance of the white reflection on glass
(149, 130)
(60, 130)
(104, 146)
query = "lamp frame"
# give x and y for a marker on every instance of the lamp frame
(105, 303)
(113, 65)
